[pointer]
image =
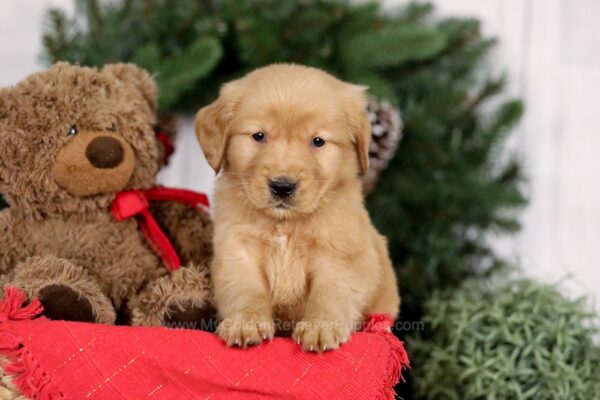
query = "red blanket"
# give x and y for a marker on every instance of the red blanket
(67, 360)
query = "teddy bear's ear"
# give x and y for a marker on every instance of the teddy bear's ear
(60, 65)
(137, 77)
(3, 128)
(3, 103)
(6, 155)
(9, 150)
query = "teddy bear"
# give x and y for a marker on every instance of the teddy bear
(72, 139)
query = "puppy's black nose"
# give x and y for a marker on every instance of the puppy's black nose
(282, 187)
(105, 152)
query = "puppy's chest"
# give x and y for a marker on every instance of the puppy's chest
(286, 269)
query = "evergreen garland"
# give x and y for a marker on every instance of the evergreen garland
(446, 189)
(195, 45)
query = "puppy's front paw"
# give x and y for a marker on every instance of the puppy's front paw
(321, 334)
(245, 330)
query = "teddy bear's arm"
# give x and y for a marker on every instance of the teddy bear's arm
(189, 228)
(184, 297)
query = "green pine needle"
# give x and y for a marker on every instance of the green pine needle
(378, 86)
(179, 73)
(390, 46)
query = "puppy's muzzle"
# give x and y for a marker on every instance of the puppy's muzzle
(282, 187)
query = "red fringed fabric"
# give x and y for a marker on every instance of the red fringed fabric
(67, 360)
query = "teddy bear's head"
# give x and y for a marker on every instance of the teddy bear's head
(71, 137)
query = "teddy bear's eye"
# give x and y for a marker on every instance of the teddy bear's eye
(72, 131)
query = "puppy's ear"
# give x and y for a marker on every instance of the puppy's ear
(358, 123)
(212, 124)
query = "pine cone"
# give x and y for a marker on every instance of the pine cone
(386, 133)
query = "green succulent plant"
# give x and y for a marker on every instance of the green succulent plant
(507, 339)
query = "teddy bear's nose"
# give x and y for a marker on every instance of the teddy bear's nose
(105, 152)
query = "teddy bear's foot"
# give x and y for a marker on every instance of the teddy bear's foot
(62, 302)
(179, 300)
(65, 290)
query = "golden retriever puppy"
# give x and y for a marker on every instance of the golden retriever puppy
(293, 241)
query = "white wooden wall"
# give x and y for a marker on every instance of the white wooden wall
(551, 51)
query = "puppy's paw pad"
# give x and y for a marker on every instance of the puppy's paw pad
(245, 330)
(321, 335)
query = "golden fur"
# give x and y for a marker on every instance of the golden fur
(314, 263)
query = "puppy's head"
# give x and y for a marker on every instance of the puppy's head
(289, 136)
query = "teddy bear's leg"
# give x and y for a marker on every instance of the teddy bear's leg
(66, 291)
(182, 299)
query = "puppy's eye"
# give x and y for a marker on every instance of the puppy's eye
(259, 137)
(72, 131)
(318, 142)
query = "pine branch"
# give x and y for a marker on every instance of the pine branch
(175, 76)
(390, 46)
(416, 12)
(56, 35)
(378, 86)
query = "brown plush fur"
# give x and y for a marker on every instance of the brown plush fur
(313, 262)
(59, 230)
(186, 289)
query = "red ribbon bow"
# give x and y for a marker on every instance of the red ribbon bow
(168, 146)
(135, 203)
